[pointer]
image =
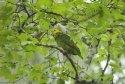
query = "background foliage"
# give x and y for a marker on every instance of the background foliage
(29, 52)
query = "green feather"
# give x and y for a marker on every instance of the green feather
(65, 42)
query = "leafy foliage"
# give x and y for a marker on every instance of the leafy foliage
(29, 51)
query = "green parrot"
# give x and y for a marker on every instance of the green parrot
(65, 42)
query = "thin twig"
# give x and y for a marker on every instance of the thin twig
(11, 3)
(25, 9)
(89, 17)
(108, 57)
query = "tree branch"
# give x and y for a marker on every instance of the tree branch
(108, 57)
(64, 21)
(65, 54)
(70, 19)
(89, 17)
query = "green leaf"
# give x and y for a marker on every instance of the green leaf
(23, 37)
(37, 67)
(104, 37)
(117, 42)
(112, 64)
(59, 8)
(118, 15)
(107, 78)
(60, 81)
(26, 43)
(45, 4)
(34, 40)
(12, 77)
(10, 38)
(14, 54)
(28, 47)
(29, 54)
(100, 58)
(4, 71)
(5, 15)
(20, 71)
(44, 24)
(54, 70)
(44, 51)
(32, 6)
(102, 51)
(2, 3)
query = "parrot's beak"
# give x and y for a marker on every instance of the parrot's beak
(51, 32)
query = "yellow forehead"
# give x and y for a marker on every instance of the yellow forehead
(56, 31)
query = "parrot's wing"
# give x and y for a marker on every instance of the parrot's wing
(75, 50)
(69, 42)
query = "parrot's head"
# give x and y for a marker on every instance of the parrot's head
(56, 32)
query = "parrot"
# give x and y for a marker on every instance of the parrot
(65, 42)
